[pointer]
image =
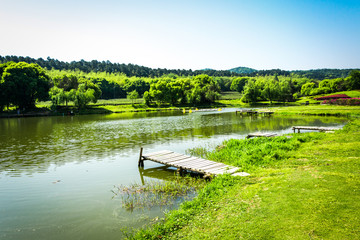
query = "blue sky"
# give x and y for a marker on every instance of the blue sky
(261, 34)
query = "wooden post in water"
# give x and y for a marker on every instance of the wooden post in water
(180, 171)
(141, 161)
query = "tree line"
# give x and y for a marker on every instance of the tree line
(286, 89)
(129, 70)
(23, 84)
(132, 70)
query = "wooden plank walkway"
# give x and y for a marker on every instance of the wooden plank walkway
(259, 134)
(247, 111)
(321, 129)
(184, 162)
(253, 112)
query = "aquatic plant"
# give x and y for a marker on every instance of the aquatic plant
(158, 193)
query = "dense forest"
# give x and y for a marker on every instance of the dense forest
(22, 84)
(132, 70)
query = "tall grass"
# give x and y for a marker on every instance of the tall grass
(256, 152)
(155, 193)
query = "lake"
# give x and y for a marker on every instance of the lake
(57, 173)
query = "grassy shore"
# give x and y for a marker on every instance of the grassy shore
(303, 187)
(321, 110)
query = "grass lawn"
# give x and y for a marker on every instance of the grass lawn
(319, 110)
(308, 189)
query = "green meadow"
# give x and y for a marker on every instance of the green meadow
(302, 186)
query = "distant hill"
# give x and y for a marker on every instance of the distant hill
(242, 70)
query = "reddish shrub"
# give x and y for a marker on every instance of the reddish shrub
(344, 101)
(336, 96)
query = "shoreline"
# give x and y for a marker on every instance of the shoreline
(311, 110)
(279, 194)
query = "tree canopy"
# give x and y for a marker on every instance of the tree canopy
(23, 84)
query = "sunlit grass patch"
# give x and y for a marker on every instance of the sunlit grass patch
(256, 152)
(312, 192)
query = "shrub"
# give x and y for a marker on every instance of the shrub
(343, 101)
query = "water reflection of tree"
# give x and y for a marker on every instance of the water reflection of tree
(32, 144)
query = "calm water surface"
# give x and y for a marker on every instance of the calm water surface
(57, 173)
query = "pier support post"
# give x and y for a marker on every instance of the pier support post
(180, 171)
(141, 160)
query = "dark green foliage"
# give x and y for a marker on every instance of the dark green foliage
(110, 90)
(271, 90)
(205, 89)
(200, 89)
(138, 85)
(106, 66)
(321, 74)
(353, 81)
(286, 91)
(66, 82)
(140, 71)
(224, 83)
(22, 84)
(238, 84)
(251, 92)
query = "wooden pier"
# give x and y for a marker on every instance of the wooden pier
(321, 129)
(253, 112)
(184, 162)
(246, 111)
(259, 134)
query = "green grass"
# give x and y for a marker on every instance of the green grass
(311, 192)
(228, 99)
(230, 95)
(355, 93)
(311, 99)
(334, 110)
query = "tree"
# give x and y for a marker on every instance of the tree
(238, 84)
(90, 85)
(23, 84)
(69, 96)
(136, 84)
(133, 95)
(84, 95)
(251, 92)
(271, 90)
(66, 82)
(285, 91)
(57, 96)
(205, 89)
(353, 81)
(307, 88)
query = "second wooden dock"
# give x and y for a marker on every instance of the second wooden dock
(321, 129)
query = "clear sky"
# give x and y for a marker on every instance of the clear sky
(184, 34)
